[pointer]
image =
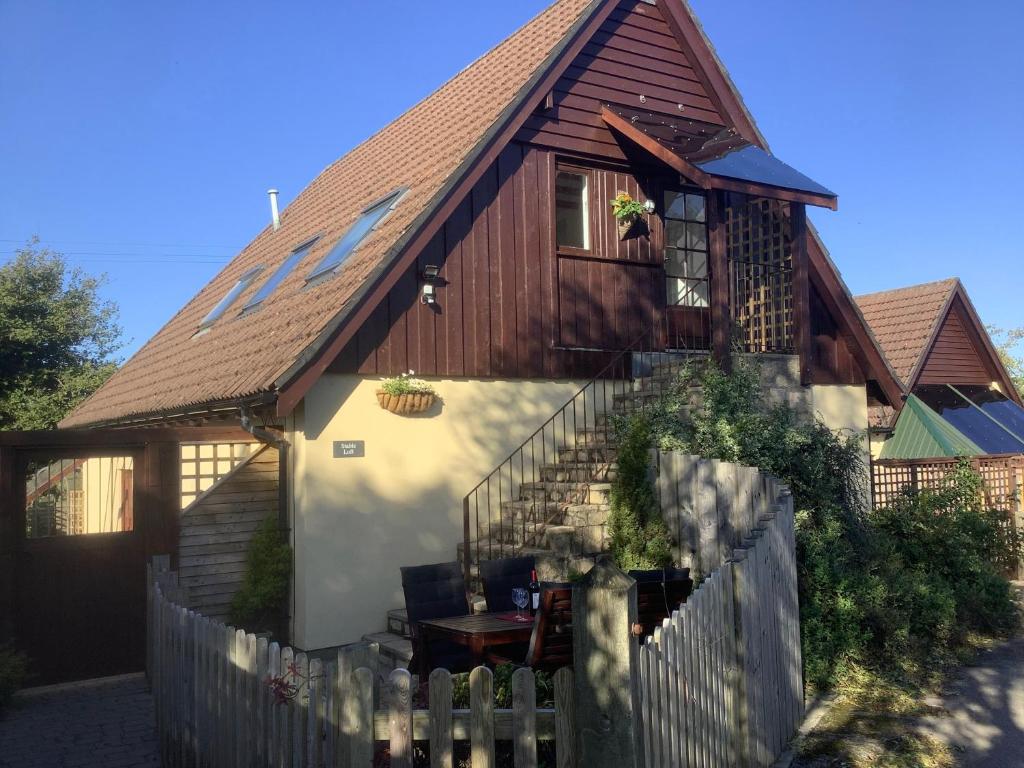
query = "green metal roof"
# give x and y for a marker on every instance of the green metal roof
(921, 433)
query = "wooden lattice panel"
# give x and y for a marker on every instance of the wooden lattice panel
(758, 245)
(1002, 476)
(203, 464)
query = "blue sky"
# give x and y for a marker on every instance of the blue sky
(140, 138)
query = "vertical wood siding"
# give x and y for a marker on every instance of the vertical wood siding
(832, 361)
(956, 356)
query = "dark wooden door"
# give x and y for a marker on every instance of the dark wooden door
(687, 273)
(80, 583)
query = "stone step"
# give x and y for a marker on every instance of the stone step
(600, 436)
(579, 472)
(585, 454)
(398, 622)
(566, 492)
(516, 513)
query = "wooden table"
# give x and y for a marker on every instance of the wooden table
(477, 632)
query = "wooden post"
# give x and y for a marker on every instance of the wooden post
(440, 703)
(565, 719)
(481, 723)
(524, 718)
(801, 289)
(400, 718)
(606, 658)
(718, 259)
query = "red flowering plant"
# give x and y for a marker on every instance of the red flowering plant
(288, 685)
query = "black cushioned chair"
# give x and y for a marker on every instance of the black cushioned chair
(658, 593)
(500, 577)
(435, 592)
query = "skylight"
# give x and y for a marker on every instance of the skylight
(280, 274)
(366, 223)
(229, 298)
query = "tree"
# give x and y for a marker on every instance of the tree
(1007, 343)
(57, 338)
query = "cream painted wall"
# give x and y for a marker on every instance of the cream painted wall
(842, 407)
(357, 520)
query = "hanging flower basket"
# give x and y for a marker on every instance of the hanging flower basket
(629, 213)
(404, 395)
(404, 405)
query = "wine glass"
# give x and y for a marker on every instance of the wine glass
(520, 598)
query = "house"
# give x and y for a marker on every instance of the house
(472, 241)
(960, 399)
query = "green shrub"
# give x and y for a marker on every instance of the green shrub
(889, 590)
(544, 682)
(639, 538)
(13, 671)
(260, 604)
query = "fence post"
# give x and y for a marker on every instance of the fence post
(606, 654)
(738, 678)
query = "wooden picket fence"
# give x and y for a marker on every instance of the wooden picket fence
(216, 708)
(721, 680)
(710, 506)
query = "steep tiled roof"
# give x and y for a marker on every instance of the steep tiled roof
(904, 320)
(244, 355)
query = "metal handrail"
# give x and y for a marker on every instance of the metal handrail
(492, 525)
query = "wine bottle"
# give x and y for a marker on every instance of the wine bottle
(534, 588)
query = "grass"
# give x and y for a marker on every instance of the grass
(872, 722)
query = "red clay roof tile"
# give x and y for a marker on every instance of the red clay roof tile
(244, 355)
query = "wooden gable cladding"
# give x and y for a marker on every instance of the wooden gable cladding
(633, 59)
(955, 356)
(508, 305)
(832, 359)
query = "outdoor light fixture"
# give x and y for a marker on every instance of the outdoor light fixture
(431, 274)
(649, 206)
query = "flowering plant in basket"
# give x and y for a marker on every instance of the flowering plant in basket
(404, 394)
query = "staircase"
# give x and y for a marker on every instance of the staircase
(551, 498)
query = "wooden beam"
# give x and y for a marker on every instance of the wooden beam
(298, 380)
(801, 289)
(778, 193)
(129, 436)
(718, 261)
(654, 147)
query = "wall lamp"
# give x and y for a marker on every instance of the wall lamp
(431, 278)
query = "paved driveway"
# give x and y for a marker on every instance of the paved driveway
(106, 722)
(986, 710)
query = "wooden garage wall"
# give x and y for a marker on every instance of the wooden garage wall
(217, 527)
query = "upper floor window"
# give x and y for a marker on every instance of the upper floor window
(368, 220)
(280, 274)
(572, 209)
(229, 298)
(686, 250)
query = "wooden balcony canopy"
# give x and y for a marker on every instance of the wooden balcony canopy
(716, 158)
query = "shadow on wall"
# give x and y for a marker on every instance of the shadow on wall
(359, 519)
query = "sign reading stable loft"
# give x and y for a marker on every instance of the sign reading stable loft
(349, 449)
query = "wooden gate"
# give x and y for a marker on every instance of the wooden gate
(80, 513)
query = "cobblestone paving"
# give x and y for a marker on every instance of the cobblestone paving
(106, 722)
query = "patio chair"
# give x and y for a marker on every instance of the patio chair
(435, 592)
(501, 576)
(550, 646)
(658, 593)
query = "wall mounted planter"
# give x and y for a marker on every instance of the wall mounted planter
(404, 405)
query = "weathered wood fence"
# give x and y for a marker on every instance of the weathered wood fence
(721, 681)
(710, 506)
(216, 708)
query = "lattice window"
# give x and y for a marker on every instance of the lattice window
(759, 248)
(1001, 475)
(203, 464)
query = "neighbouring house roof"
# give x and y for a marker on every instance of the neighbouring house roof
(245, 355)
(904, 320)
(931, 334)
(432, 151)
(922, 433)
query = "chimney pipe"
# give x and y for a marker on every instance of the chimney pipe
(274, 215)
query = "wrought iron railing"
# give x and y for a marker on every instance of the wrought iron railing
(509, 510)
(761, 303)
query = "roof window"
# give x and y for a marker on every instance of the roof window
(280, 274)
(368, 221)
(229, 298)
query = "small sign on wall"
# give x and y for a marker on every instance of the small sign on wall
(349, 449)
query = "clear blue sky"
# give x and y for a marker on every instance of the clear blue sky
(140, 137)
